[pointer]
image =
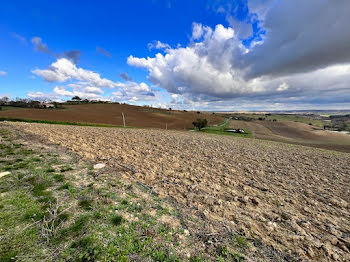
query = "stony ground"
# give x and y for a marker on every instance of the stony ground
(295, 199)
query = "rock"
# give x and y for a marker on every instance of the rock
(335, 256)
(2, 174)
(285, 216)
(333, 240)
(243, 200)
(99, 166)
(186, 232)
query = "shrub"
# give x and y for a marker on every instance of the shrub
(200, 123)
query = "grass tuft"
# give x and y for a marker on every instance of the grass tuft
(86, 203)
(117, 220)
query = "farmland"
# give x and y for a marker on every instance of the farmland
(295, 133)
(292, 198)
(112, 114)
(292, 129)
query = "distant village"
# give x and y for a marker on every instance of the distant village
(47, 104)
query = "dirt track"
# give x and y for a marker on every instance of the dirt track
(291, 197)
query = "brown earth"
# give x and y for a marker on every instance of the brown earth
(146, 117)
(135, 116)
(291, 197)
(295, 133)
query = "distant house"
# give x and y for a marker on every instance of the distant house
(48, 105)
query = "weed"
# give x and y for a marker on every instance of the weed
(86, 203)
(8, 256)
(135, 208)
(59, 177)
(197, 258)
(124, 202)
(35, 159)
(117, 220)
(65, 169)
(33, 213)
(163, 229)
(50, 170)
(47, 200)
(39, 189)
(66, 186)
(240, 241)
(80, 223)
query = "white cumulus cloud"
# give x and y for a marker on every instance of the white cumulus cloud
(303, 57)
(65, 70)
(157, 45)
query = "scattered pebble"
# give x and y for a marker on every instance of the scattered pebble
(5, 174)
(99, 166)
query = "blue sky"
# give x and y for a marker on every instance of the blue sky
(213, 55)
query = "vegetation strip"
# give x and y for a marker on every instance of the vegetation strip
(222, 130)
(9, 119)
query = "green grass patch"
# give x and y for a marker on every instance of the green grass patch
(59, 177)
(86, 203)
(9, 108)
(117, 220)
(66, 186)
(66, 169)
(221, 130)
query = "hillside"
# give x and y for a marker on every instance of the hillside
(292, 198)
(135, 116)
(295, 133)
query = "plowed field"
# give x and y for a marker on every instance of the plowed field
(294, 198)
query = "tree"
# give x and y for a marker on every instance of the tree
(200, 123)
(4, 100)
(76, 98)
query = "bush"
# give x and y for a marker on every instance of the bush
(200, 123)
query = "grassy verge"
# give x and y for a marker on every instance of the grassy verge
(10, 119)
(8, 108)
(221, 130)
(55, 208)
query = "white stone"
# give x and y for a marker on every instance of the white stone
(99, 166)
(5, 173)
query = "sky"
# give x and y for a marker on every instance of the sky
(220, 55)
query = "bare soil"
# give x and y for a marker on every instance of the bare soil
(295, 133)
(292, 198)
(135, 116)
